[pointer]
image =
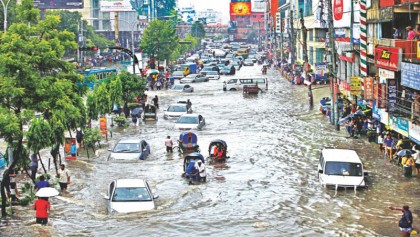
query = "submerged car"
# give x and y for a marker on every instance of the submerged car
(190, 121)
(184, 88)
(213, 75)
(341, 168)
(130, 149)
(248, 62)
(178, 74)
(176, 110)
(129, 195)
(192, 78)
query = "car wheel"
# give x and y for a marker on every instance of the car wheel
(232, 89)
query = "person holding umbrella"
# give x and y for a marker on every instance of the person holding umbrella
(42, 207)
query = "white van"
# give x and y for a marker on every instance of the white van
(235, 84)
(341, 168)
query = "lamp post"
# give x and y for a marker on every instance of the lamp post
(5, 5)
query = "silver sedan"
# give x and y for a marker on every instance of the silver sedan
(194, 78)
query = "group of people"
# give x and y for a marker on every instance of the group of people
(410, 33)
(160, 80)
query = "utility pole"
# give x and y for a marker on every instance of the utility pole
(333, 67)
(292, 38)
(5, 5)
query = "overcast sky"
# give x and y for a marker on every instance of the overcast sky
(218, 5)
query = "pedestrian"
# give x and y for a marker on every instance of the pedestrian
(33, 165)
(201, 171)
(64, 177)
(156, 101)
(80, 134)
(42, 183)
(396, 33)
(189, 104)
(411, 33)
(73, 149)
(381, 143)
(42, 207)
(13, 189)
(406, 220)
(158, 84)
(169, 144)
(388, 146)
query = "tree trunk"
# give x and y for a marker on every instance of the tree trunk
(25, 168)
(42, 163)
(3, 196)
(55, 151)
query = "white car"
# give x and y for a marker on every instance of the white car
(213, 75)
(190, 121)
(183, 88)
(130, 149)
(178, 75)
(194, 78)
(176, 110)
(129, 195)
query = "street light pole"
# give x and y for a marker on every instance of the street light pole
(5, 5)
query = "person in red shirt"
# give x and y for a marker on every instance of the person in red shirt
(42, 206)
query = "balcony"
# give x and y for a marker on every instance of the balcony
(409, 47)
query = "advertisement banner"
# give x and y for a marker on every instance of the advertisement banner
(368, 88)
(58, 4)
(102, 125)
(410, 75)
(381, 96)
(240, 0)
(387, 3)
(355, 86)
(414, 132)
(399, 125)
(391, 104)
(385, 74)
(115, 6)
(240, 8)
(384, 116)
(341, 13)
(388, 58)
(258, 6)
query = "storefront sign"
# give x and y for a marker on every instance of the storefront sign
(388, 58)
(385, 74)
(340, 33)
(240, 8)
(399, 125)
(381, 96)
(384, 116)
(414, 132)
(355, 86)
(344, 86)
(259, 6)
(410, 75)
(368, 88)
(387, 3)
(341, 13)
(102, 125)
(391, 95)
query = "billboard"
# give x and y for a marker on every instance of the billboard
(258, 6)
(342, 13)
(115, 6)
(58, 4)
(240, 8)
(388, 58)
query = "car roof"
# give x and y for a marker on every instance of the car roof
(178, 104)
(189, 115)
(341, 155)
(130, 140)
(129, 183)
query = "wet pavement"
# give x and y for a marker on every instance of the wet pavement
(268, 187)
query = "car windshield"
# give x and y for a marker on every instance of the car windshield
(207, 69)
(211, 73)
(192, 76)
(127, 147)
(177, 109)
(131, 194)
(188, 120)
(178, 87)
(343, 168)
(178, 73)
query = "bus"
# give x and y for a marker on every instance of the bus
(101, 74)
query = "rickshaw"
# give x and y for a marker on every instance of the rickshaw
(188, 166)
(188, 142)
(149, 113)
(222, 148)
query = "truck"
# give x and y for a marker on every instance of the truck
(189, 68)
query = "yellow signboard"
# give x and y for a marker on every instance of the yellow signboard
(355, 86)
(418, 49)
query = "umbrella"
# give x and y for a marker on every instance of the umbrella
(136, 111)
(47, 192)
(406, 152)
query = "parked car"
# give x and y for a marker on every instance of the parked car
(248, 62)
(178, 74)
(129, 195)
(194, 78)
(190, 121)
(183, 88)
(130, 149)
(176, 110)
(213, 75)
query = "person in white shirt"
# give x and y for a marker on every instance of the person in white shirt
(169, 144)
(64, 177)
(201, 170)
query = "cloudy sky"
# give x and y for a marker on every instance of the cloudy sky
(218, 5)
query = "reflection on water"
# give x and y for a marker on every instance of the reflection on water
(268, 187)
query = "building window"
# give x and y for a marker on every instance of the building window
(311, 35)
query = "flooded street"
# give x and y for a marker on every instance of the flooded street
(268, 187)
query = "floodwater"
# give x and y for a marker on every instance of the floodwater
(268, 187)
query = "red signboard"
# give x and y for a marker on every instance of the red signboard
(368, 88)
(338, 9)
(381, 96)
(388, 3)
(102, 125)
(240, 8)
(388, 58)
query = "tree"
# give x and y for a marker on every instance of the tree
(165, 7)
(183, 48)
(159, 39)
(33, 77)
(197, 30)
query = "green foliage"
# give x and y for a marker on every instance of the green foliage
(183, 48)
(197, 30)
(133, 105)
(92, 135)
(39, 135)
(159, 39)
(132, 86)
(115, 91)
(103, 99)
(92, 106)
(165, 7)
(120, 120)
